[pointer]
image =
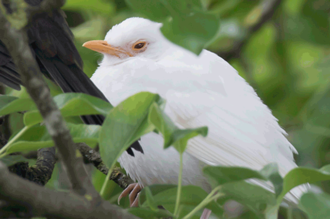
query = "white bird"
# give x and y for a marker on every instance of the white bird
(199, 90)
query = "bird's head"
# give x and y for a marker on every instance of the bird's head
(134, 37)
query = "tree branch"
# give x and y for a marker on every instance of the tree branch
(41, 201)
(41, 172)
(94, 157)
(17, 44)
(86, 203)
(121, 179)
(267, 14)
(90, 155)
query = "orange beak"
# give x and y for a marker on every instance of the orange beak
(103, 47)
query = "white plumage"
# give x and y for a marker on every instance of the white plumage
(200, 90)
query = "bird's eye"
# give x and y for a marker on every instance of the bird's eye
(139, 46)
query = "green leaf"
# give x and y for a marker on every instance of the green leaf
(124, 202)
(184, 210)
(185, 7)
(154, 10)
(296, 177)
(111, 185)
(226, 7)
(155, 189)
(4, 100)
(303, 175)
(252, 196)
(316, 205)
(219, 175)
(270, 172)
(11, 160)
(148, 213)
(37, 137)
(162, 123)
(72, 104)
(159, 10)
(165, 195)
(189, 27)
(150, 199)
(226, 176)
(193, 32)
(10, 104)
(125, 124)
(101, 7)
(171, 134)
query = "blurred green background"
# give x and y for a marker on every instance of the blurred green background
(287, 61)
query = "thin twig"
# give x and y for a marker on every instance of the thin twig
(92, 156)
(267, 14)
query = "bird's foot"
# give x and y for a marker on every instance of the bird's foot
(133, 193)
(206, 214)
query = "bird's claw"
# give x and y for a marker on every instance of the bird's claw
(133, 193)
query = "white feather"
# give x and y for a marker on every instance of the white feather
(200, 90)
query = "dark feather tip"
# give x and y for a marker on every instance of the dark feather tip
(130, 152)
(136, 145)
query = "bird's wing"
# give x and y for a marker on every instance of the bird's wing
(8, 73)
(242, 130)
(234, 140)
(51, 43)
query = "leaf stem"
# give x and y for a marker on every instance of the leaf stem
(178, 195)
(290, 213)
(207, 200)
(213, 192)
(19, 134)
(105, 183)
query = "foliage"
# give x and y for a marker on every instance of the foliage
(190, 26)
(286, 61)
(126, 123)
